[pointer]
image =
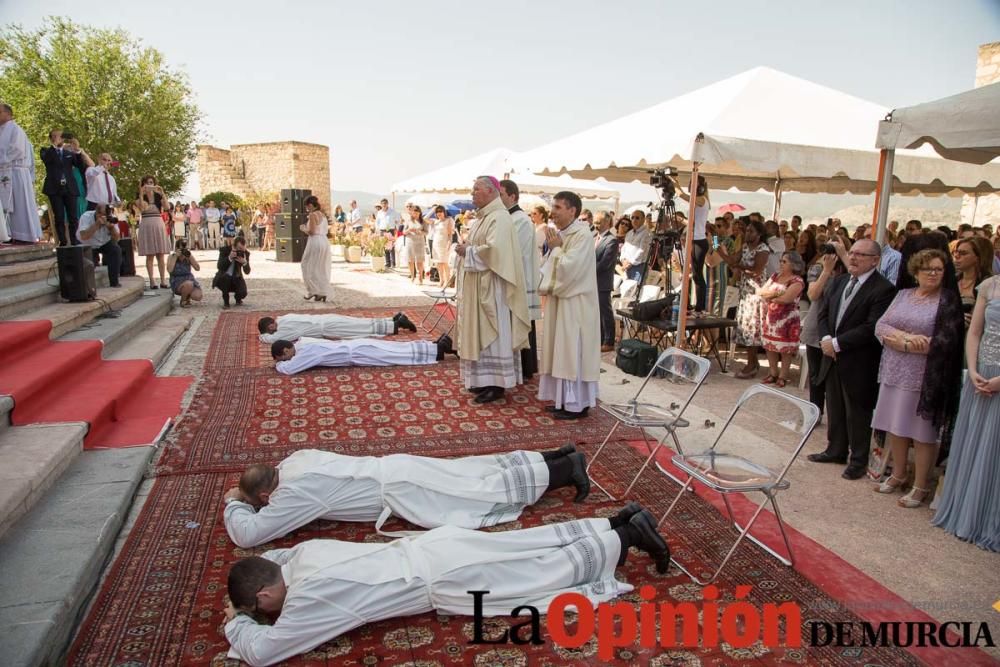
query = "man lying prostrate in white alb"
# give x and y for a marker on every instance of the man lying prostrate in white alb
(303, 325)
(293, 358)
(470, 492)
(320, 589)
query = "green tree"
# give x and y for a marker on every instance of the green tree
(114, 94)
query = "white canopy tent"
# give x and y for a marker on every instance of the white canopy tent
(501, 163)
(963, 127)
(759, 130)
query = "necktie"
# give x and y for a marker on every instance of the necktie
(107, 184)
(850, 288)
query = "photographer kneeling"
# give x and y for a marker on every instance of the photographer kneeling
(182, 280)
(234, 261)
(99, 231)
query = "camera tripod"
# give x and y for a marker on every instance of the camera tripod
(661, 247)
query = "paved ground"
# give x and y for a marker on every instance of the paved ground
(949, 579)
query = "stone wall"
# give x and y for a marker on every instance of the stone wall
(263, 168)
(987, 209)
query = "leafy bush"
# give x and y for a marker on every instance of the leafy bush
(218, 197)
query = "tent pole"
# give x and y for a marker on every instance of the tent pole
(975, 205)
(776, 209)
(618, 204)
(680, 340)
(883, 192)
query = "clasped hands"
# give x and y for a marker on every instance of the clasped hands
(984, 386)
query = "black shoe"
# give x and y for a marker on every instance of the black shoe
(823, 457)
(444, 346)
(239, 302)
(225, 305)
(489, 395)
(650, 540)
(567, 449)
(567, 414)
(579, 477)
(554, 454)
(626, 513)
(854, 472)
(477, 390)
(552, 408)
(403, 322)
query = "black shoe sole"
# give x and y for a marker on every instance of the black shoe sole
(579, 477)
(488, 396)
(652, 542)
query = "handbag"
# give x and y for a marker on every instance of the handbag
(878, 458)
(636, 357)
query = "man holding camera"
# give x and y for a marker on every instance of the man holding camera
(99, 230)
(234, 261)
(101, 186)
(60, 185)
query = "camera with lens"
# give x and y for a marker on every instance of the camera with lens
(662, 179)
(827, 249)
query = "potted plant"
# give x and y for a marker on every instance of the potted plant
(376, 250)
(338, 246)
(353, 248)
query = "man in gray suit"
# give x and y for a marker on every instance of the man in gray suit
(607, 258)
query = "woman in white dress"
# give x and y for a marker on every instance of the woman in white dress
(444, 230)
(316, 257)
(416, 243)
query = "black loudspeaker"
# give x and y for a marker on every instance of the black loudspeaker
(289, 226)
(76, 273)
(290, 250)
(293, 201)
(128, 258)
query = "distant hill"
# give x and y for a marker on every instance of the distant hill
(366, 200)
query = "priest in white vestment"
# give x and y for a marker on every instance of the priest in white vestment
(571, 345)
(17, 180)
(294, 326)
(493, 319)
(510, 194)
(308, 353)
(322, 589)
(469, 492)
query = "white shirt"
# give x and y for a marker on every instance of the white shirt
(845, 302)
(386, 220)
(355, 215)
(636, 245)
(98, 183)
(100, 237)
(700, 222)
(212, 214)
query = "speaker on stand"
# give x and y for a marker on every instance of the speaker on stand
(77, 281)
(289, 239)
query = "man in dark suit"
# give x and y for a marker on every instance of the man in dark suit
(60, 184)
(234, 261)
(855, 302)
(607, 258)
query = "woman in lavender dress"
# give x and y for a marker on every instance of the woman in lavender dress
(921, 335)
(970, 504)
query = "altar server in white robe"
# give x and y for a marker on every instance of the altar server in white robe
(4, 232)
(321, 589)
(530, 258)
(308, 353)
(303, 325)
(17, 180)
(493, 319)
(469, 492)
(571, 345)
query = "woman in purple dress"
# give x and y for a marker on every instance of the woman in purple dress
(921, 335)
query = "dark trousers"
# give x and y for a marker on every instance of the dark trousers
(699, 248)
(817, 389)
(64, 211)
(227, 283)
(390, 257)
(529, 357)
(111, 256)
(634, 272)
(607, 318)
(848, 424)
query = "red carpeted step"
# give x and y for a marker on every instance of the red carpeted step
(18, 338)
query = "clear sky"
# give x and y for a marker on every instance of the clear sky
(398, 88)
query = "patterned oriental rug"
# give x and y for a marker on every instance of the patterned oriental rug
(162, 601)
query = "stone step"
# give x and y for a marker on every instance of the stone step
(155, 341)
(54, 555)
(135, 317)
(66, 317)
(28, 271)
(16, 299)
(31, 459)
(12, 254)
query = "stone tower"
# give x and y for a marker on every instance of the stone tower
(987, 208)
(245, 169)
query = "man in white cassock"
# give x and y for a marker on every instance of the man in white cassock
(308, 353)
(320, 589)
(469, 492)
(17, 180)
(510, 194)
(294, 326)
(571, 346)
(493, 319)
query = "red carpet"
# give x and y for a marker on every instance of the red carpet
(123, 401)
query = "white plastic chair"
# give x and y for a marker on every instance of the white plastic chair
(676, 366)
(731, 473)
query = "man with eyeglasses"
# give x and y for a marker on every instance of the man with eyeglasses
(636, 247)
(851, 358)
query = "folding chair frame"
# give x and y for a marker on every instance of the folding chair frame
(628, 413)
(811, 415)
(448, 300)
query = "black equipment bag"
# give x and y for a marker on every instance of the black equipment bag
(636, 357)
(654, 310)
